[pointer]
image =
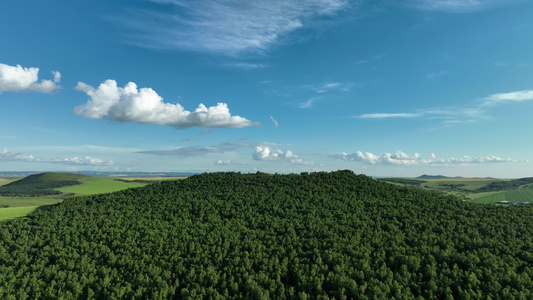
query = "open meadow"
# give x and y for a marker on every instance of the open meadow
(15, 207)
(7, 180)
(479, 190)
(99, 185)
(516, 195)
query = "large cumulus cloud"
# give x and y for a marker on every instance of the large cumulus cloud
(129, 104)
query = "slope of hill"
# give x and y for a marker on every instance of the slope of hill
(43, 184)
(257, 236)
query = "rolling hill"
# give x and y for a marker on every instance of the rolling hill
(260, 236)
(43, 184)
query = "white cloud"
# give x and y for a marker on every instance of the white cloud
(57, 76)
(491, 159)
(245, 65)
(87, 160)
(274, 121)
(128, 104)
(401, 158)
(449, 116)
(228, 162)
(387, 115)
(262, 152)
(329, 86)
(19, 79)
(451, 5)
(6, 155)
(447, 5)
(308, 103)
(455, 6)
(250, 144)
(227, 27)
(187, 151)
(518, 96)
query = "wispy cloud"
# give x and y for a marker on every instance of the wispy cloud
(274, 121)
(329, 86)
(128, 104)
(518, 96)
(308, 103)
(454, 6)
(187, 151)
(402, 159)
(85, 161)
(454, 115)
(364, 61)
(388, 115)
(245, 65)
(228, 162)
(360, 62)
(319, 90)
(20, 79)
(250, 144)
(227, 27)
(6, 155)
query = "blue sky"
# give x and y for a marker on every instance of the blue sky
(384, 88)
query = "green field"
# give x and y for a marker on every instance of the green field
(22, 206)
(468, 189)
(17, 212)
(15, 207)
(99, 185)
(518, 195)
(7, 180)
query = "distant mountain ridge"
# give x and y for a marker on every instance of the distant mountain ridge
(425, 176)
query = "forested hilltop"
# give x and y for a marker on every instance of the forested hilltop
(43, 184)
(259, 236)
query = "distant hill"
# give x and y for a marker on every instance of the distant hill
(41, 184)
(425, 176)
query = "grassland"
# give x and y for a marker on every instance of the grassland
(464, 188)
(471, 189)
(99, 185)
(517, 195)
(7, 180)
(15, 207)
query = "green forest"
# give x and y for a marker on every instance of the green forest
(317, 235)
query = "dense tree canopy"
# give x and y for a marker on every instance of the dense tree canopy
(259, 236)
